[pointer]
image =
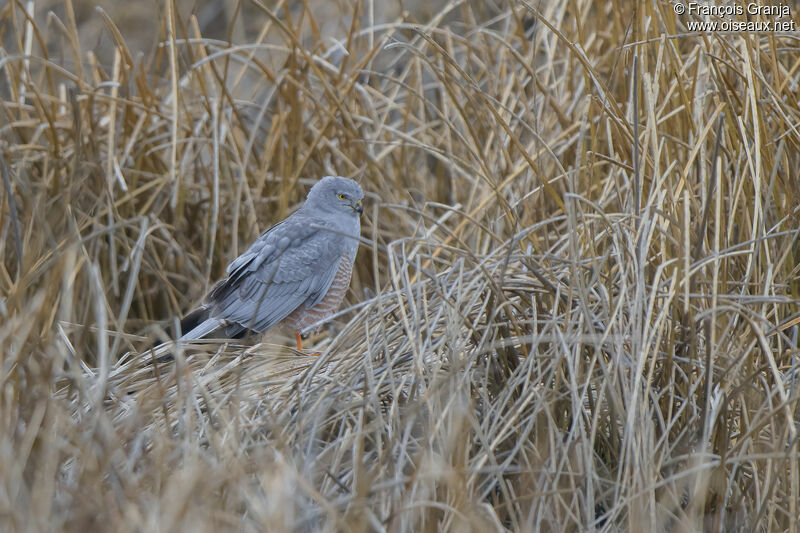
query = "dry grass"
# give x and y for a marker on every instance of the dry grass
(574, 311)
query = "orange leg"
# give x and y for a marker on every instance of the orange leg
(299, 340)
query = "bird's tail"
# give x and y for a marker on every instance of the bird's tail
(201, 329)
(197, 324)
(200, 324)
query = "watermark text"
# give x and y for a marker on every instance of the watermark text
(760, 17)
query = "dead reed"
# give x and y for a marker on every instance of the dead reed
(576, 308)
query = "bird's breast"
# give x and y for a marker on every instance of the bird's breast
(302, 317)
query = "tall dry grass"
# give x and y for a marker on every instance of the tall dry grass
(576, 310)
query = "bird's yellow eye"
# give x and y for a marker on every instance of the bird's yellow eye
(341, 197)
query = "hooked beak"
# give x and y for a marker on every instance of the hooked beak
(359, 207)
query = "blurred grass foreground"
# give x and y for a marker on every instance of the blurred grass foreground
(577, 310)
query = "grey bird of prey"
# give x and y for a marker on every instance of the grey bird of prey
(295, 274)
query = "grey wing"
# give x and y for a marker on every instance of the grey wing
(292, 264)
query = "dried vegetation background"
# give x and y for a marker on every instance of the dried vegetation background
(575, 309)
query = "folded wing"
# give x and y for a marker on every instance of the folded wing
(292, 264)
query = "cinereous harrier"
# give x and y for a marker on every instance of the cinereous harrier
(295, 274)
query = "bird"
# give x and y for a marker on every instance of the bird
(294, 275)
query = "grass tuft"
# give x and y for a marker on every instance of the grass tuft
(575, 307)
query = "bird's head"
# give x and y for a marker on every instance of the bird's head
(338, 194)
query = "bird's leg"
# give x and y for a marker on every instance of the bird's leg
(299, 340)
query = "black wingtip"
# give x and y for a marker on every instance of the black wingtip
(187, 323)
(193, 319)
